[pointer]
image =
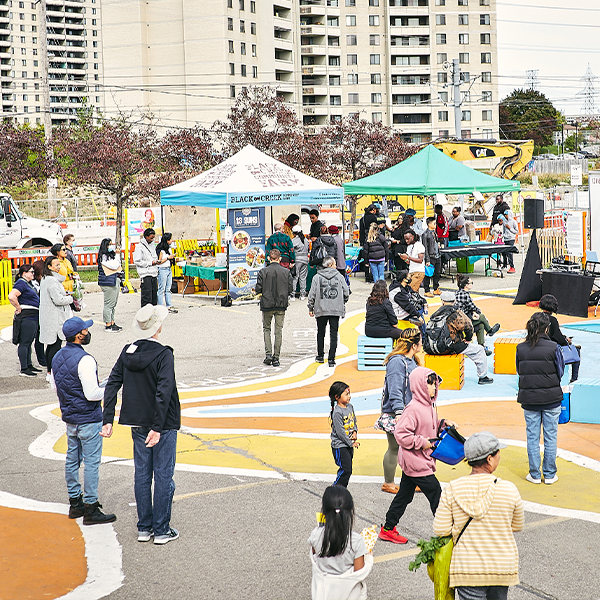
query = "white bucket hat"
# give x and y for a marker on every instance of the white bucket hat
(148, 320)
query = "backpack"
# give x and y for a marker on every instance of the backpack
(437, 335)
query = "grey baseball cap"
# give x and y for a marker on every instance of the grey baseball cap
(447, 296)
(482, 444)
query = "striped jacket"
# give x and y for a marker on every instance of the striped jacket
(486, 554)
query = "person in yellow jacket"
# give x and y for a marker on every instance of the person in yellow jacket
(66, 268)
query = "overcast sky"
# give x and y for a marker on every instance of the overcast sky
(558, 39)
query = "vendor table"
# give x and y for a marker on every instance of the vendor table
(572, 290)
(202, 273)
(486, 251)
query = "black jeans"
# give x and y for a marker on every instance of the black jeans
(51, 350)
(149, 289)
(343, 459)
(436, 263)
(29, 329)
(333, 335)
(507, 257)
(429, 485)
(392, 332)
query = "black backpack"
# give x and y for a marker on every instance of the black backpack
(437, 335)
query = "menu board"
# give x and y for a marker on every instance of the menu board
(246, 249)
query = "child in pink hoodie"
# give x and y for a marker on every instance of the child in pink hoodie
(418, 425)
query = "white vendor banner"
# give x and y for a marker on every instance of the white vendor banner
(575, 235)
(140, 219)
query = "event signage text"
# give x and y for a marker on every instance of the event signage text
(594, 183)
(246, 250)
(140, 219)
(575, 239)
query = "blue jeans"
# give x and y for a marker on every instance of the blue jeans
(158, 461)
(165, 279)
(378, 270)
(84, 443)
(534, 420)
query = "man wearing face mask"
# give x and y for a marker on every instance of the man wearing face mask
(74, 377)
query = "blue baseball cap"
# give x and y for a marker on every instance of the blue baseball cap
(410, 212)
(71, 327)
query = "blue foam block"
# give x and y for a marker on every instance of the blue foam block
(585, 401)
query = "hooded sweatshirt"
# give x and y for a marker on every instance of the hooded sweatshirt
(486, 553)
(146, 371)
(328, 294)
(418, 424)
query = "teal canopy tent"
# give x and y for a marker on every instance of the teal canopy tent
(426, 173)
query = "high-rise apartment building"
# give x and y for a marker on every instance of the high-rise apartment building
(52, 71)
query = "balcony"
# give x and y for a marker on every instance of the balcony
(316, 70)
(313, 30)
(315, 109)
(315, 49)
(315, 91)
(314, 9)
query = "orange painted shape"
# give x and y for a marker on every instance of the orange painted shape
(450, 367)
(42, 555)
(505, 352)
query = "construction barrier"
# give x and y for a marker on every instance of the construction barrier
(5, 280)
(85, 255)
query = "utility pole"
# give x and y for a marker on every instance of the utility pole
(457, 100)
(44, 66)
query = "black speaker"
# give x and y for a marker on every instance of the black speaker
(533, 213)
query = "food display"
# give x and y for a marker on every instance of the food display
(255, 257)
(241, 240)
(240, 277)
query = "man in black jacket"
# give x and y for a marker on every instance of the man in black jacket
(369, 217)
(274, 282)
(146, 372)
(499, 209)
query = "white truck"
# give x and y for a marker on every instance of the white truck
(19, 231)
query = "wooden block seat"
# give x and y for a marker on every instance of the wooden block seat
(450, 367)
(372, 351)
(585, 402)
(505, 353)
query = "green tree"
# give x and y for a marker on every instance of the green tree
(528, 114)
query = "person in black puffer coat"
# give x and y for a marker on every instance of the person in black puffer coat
(540, 366)
(376, 252)
(381, 321)
(326, 242)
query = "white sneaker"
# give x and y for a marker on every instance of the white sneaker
(529, 478)
(551, 480)
(48, 377)
(292, 298)
(302, 297)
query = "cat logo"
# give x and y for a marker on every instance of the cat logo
(481, 152)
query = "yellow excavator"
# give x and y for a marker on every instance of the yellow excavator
(512, 155)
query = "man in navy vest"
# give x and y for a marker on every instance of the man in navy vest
(75, 380)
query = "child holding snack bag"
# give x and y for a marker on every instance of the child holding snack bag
(341, 560)
(343, 431)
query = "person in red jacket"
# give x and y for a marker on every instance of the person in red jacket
(442, 226)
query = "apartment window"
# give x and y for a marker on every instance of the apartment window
(486, 115)
(352, 98)
(232, 68)
(466, 115)
(374, 20)
(37, 98)
(253, 28)
(21, 27)
(466, 133)
(486, 77)
(335, 118)
(333, 40)
(333, 21)
(463, 19)
(442, 77)
(484, 2)
(241, 4)
(229, 3)
(486, 57)
(34, 30)
(23, 74)
(35, 63)
(230, 24)
(465, 76)
(93, 11)
(373, 2)
(350, 2)
(252, 6)
(24, 85)
(242, 26)
(94, 44)
(93, 21)
(351, 40)
(254, 50)
(33, 18)
(440, 2)
(21, 4)
(463, 38)
(440, 38)
(484, 19)
(485, 38)
(22, 16)
(231, 50)
(94, 33)
(442, 115)
(440, 19)
(26, 109)
(255, 72)
(375, 59)
(232, 91)
(243, 47)
(374, 40)
(334, 61)
(443, 96)
(463, 58)
(376, 117)
(335, 80)
(95, 55)
(375, 78)
(352, 78)
(25, 97)
(442, 57)
(96, 66)
(376, 98)
(486, 96)
(23, 51)
(352, 59)
(444, 133)
(350, 20)
(463, 2)
(333, 3)
(243, 69)
(487, 134)
(335, 100)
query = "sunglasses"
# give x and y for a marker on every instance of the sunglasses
(64, 249)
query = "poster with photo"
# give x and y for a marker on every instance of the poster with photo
(246, 249)
(140, 219)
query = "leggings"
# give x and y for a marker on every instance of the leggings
(390, 459)
(51, 350)
(27, 335)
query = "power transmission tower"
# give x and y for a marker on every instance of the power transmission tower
(588, 92)
(532, 82)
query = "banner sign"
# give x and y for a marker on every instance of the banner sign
(140, 219)
(594, 183)
(575, 236)
(246, 249)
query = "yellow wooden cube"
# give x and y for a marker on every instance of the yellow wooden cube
(450, 367)
(505, 352)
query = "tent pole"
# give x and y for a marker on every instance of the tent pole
(272, 224)
(343, 225)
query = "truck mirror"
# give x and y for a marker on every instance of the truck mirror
(7, 214)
